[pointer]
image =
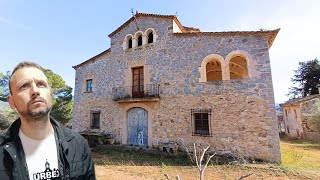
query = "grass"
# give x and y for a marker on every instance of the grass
(300, 160)
(301, 156)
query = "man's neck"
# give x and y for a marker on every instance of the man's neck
(37, 129)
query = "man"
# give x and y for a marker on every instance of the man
(35, 146)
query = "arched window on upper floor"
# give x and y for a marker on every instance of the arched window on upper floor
(214, 71)
(140, 40)
(238, 68)
(127, 43)
(130, 43)
(150, 37)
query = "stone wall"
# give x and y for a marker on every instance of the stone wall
(243, 112)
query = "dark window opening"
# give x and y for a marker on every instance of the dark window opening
(140, 40)
(95, 119)
(130, 43)
(89, 85)
(201, 121)
(150, 38)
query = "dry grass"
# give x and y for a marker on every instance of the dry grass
(301, 156)
(300, 161)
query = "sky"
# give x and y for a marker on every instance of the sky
(60, 34)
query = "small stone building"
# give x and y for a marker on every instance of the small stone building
(297, 114)
(161, 82)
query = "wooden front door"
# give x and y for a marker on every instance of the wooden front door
(138, 127)
(137, 82)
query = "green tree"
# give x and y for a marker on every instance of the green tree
(62, 102)
(307, 76)
(4, 86)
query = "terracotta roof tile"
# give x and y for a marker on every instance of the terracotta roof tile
(300, 100)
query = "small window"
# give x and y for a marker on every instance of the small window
(95, 119)
(150, 37)
(130, 43)
(201, 122)
(140, 40)
(89, 85)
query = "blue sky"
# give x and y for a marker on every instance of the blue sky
(60, 34)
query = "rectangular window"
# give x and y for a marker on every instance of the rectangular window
(95, 119)
(137, 82)
(89, 85)
(201, 122)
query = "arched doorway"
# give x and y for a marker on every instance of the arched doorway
(138, 126)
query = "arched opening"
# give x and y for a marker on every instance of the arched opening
(213, 71)
(150, 37)
(238, 68)
(130, 43)
(140, 40)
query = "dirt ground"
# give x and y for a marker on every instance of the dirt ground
(190, 173)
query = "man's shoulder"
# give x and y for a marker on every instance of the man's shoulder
(67, 133)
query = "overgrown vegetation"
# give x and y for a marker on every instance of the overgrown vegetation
(315, 117)
(300, 160)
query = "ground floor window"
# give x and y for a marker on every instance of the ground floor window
(201, 122)
(95, 119)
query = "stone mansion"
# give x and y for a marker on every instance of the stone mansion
(161, 82)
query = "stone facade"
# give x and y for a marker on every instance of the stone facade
(243, 118)
(297, 113)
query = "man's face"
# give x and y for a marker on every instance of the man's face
(31, 94)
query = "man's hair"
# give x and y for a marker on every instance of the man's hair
(23, 65)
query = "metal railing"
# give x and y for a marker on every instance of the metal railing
(142, 91)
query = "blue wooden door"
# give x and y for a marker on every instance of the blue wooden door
(138, 126)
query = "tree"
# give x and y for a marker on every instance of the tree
(62, 102)
(307, 76)
(4, 86)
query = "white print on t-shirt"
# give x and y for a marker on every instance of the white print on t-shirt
(41, 157)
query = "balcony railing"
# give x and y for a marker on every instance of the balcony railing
(133, 92)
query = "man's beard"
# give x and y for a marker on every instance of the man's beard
(38, 114)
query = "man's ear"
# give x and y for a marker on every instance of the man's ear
(11, 102)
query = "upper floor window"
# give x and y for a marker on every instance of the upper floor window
(214, 71)
(201, 121)
(150, 37)
(89, 85)
(140, 40)
(238, 68)
(95, 119)
(130, 43)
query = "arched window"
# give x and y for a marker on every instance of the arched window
(140, 40)
(213, 71)
(130, 43)
(238, 68)
(150, 37)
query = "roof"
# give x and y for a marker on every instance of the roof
(91, 59)
(138, 14)
(269, 35)
(300, 100)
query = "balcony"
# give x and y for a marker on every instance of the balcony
(147, 92)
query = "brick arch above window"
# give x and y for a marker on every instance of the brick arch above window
(215, 59)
